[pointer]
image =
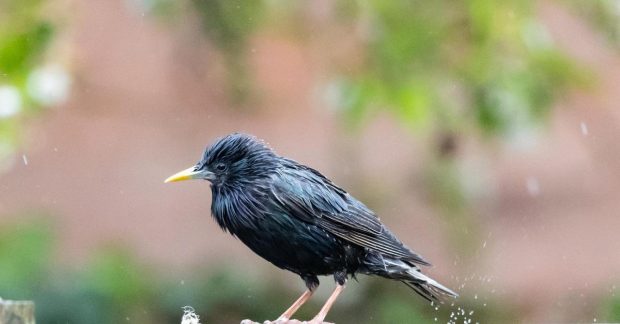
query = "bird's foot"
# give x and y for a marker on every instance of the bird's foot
(280, 320)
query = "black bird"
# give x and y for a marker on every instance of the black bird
(297, 219)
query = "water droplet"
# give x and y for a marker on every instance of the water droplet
(584, 129)
(25, 159)
(533, 187)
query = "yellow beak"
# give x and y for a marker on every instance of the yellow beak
(187, 174)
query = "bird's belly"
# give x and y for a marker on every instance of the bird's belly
(299, 247)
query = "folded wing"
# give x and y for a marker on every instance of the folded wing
(304, 193)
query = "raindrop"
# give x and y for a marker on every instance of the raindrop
(584, 129)
(25, 159)
(533, 187)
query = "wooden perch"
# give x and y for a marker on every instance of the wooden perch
(16, 312)
(292, 321)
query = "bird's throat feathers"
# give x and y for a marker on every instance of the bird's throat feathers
(237, 209)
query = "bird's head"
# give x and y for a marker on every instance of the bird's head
(230, 160)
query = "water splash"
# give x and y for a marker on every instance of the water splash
(189, 316)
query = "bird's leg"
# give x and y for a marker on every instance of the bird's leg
(328, 304)
(291, 310)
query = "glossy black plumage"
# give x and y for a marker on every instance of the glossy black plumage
(299, 220)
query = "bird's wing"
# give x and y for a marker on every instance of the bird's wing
(307, 195)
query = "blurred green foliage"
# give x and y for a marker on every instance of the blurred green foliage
(25, 34)
(229, 23)
(602, 14)
(485, 65)
(611, 307)
(22, 272)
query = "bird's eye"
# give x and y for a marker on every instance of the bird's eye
(220, 167)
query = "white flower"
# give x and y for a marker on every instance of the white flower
(49, 85)
(10, 101)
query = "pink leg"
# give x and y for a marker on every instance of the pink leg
(291, 310)
(328, 304)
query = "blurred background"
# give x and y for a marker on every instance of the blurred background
(483, 132)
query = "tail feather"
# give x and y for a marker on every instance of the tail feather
(407, 273)
(420, 290)
(428, 287)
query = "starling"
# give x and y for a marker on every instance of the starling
(297, 219)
